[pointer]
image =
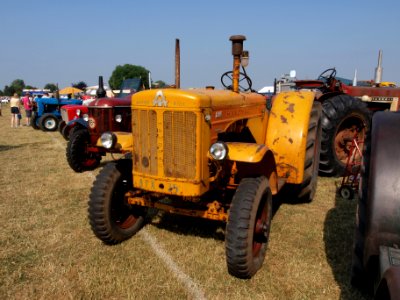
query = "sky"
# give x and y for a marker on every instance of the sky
(64, 42)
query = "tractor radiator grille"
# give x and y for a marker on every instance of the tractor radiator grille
(64, 115)
(144, 130)
(179, 143)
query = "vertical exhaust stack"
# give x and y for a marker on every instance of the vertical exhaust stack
(177, 64)
(101, 92)
(237, 50)
(378, 70)
(355, 78)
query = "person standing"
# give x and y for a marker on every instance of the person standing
(28, 108)
(15, 106)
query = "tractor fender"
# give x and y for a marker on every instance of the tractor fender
(383, 193)
(287, 132)
(254, 160)
(79, 121)
(124, 142)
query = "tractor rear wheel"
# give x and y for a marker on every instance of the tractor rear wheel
(112, 219)
(248, 227)
(79, 159)
(378, 206)
(34, 119)
(306, 190)
(48, 122)
(344, 117)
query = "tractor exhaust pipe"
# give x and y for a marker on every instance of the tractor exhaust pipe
(237, 50)
(378, 69)
(101, 92)
(177, 64)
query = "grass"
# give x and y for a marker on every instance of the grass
(48, 251)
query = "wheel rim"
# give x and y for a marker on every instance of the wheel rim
(262, 226)
(50, 124)
(349, 129)
(345, 193)
(121, 212)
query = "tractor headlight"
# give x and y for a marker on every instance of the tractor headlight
(108, 140)
(218, 151)
(78, 112)
(118, 118)
(85, 117)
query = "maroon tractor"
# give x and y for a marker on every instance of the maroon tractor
(84, 151)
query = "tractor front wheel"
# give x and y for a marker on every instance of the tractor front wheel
(79, 159)
(248, 227)
(48, 122)
(111, 218)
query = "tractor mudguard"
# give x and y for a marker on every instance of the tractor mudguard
(246, 152)
(254, 159)
(287, 132)
(79, 121)
(124, 141)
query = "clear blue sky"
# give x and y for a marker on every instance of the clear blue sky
(52, 41)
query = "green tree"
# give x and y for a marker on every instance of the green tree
(9, 91)
(18, 85)
(158, 84)
(128, 71)
(80, 85)
(51, 86)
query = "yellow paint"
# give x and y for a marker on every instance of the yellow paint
(287, 132)
(124, 141)
(246, 152)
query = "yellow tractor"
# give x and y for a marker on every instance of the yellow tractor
(215, 154)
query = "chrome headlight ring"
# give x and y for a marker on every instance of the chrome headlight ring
(108, 140)
(218, 151)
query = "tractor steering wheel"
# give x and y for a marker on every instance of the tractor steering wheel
(327, 75)
(227, 77)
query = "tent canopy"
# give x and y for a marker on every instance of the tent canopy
(69, 90)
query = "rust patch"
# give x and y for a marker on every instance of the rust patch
(291, 140)
(290, 107)
(283, 119)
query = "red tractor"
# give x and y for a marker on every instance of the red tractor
(84, 151)
(347, 109)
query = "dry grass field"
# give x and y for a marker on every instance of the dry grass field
(48, 250)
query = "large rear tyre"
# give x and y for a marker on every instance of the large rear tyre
(248, 227)
(78, 157)
(111, 218)
(377, 212)
(34, 120)
(307, 188)
(343, 118)
(48, 122)
(305, 191)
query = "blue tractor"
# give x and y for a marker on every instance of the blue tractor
(46, 113)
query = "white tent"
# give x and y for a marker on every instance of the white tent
(91, 90)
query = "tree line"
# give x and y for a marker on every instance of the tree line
(119, 74)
